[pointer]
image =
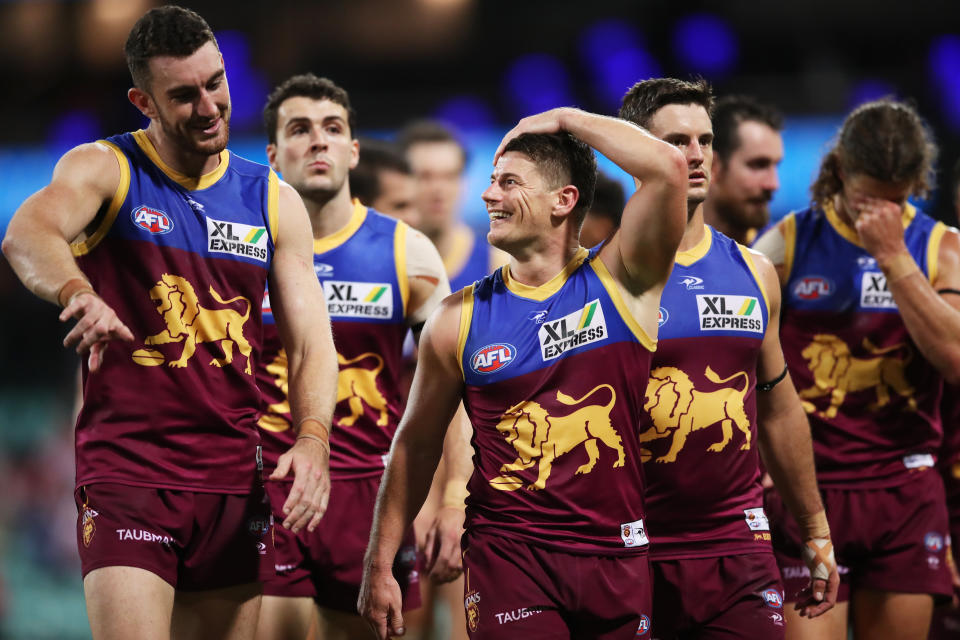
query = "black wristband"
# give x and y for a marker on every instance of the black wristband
(943, 291)
(767, 386)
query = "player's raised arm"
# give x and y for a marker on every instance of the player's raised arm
(37, 244)
(436, 392)
(641, 253)
(304, 327)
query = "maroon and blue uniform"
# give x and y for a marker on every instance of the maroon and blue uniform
(551, 379)
(699, 433)
(183, 262)
(362, 269)
(873, 402)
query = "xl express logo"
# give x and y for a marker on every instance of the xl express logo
(874, 292)
(730, 313)
(359, 299)
(582, 327)
(237, 239)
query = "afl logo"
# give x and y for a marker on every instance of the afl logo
(662, 317)
(933, 542)
(812, 288)
(773, 598)
(152, 220)
(644, 627)
(492, 357)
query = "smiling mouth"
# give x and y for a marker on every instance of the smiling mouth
(498, 215)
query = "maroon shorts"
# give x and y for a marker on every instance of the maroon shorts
(729, 597)
(888, 539)
(327, 565)
(516, 590)
(195, 541)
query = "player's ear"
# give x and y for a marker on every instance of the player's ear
(567, 198)
(354, 153)
(143, 102)
(272, 156)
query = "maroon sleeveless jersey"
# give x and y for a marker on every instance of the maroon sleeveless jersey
(554, 389)
(872, 398)
(366, 300)
(183, 262)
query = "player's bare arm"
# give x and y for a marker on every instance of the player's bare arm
(772, 245)
(434, 397)
(932, 320)
(787, 449)
(37, 245)
(304, 327)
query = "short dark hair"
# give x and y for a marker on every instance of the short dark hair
(429, 131)
(561, 159)
(375, 156)
(305, 85)
(729, 112)
(649, 96)
(164, 31)
(884, 139)
(608, 199)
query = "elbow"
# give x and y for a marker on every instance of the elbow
(675, 169)
(8, 246)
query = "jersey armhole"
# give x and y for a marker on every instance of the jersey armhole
(466, 317)
(400, 257)
(273, 205)
(87, 245)
(756, 275)
(610, 285)
(789, 231)
(933, 250)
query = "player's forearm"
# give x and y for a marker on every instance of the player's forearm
(633, 149)
(933, 324)
(40, 256)
(312, 387)
(787, 450)
(458, 460)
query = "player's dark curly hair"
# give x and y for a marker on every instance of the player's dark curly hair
(562, 159)
(164, 31)
(376, 157)
(729, 112)
(884, 139)
(649, 96)
(305, 85)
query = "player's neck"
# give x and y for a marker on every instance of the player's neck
(329, 216)
(188, 163)
(693, 234)
(539, 263)
(712, 216)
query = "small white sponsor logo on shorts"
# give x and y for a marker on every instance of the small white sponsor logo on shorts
(282, 568)
(633, 534)
(517, 614)
(757, 519)
(918, 461)
(142, 535)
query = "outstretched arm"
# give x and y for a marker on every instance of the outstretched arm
(437, 390)
(304, 327)
(37, 245)
(640, 255)
(785, 444)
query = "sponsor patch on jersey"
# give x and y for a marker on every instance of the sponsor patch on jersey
(152, 220)
(492, 358)
(662, 316)
(266, 303)
(359, 299)
(933, 541)
(757, 519)
(813, 288)
(692, 282)
(874, 292)
(323, 270)
(772, 598)
(580, 328)
(634, 534)
(919, 461)
(730, 313)
(237, 239)
(644, 627)
(538, 317)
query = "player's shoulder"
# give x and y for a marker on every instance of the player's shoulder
(246, 167)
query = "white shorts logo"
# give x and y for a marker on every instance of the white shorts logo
(919, 461)
(633, 534)
(757, 519)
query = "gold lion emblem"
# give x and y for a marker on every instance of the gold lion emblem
(87, 525)
(836, 372)
(191, 324)
(539, 438)
(677, 408)
(358, 385)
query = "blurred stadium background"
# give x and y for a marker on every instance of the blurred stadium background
(479, 65)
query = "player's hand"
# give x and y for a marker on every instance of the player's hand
(546, 122)
(97, 324)
(443, 561)
(821, 595)
(879, 224)
(309, 460)
(380, 602)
